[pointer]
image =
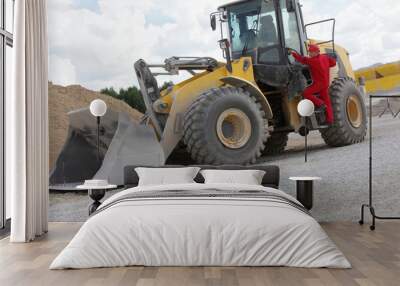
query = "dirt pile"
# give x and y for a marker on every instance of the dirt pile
(65, 99)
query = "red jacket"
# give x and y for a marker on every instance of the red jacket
(319, 67)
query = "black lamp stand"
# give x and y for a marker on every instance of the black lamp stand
(305, 142)
(306, 131)
(98, 138)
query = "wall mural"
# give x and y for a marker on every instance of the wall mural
(234, 101)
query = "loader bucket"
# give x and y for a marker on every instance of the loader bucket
(122, 142)
(133, 144)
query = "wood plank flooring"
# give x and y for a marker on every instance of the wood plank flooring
(375, 257)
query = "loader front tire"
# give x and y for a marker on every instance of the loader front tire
(225, 126)
(350, 116)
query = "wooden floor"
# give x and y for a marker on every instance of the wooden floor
(375, 257)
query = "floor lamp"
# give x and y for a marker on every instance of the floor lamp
(98, 108)
(306, 109)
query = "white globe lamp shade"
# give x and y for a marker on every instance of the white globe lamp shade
(98, 108)
(306, 108)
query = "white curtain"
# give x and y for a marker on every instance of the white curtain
(27, 123)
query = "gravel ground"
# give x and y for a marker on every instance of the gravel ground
(71, 206)
(337, 197)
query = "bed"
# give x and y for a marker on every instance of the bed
(198, 224)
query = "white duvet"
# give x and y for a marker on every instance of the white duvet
(200, 232)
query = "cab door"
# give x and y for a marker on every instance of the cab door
(292, 29)
(271, 63)
(276, 29)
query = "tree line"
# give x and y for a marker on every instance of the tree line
(130, 95)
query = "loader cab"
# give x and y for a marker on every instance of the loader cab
(263, 29)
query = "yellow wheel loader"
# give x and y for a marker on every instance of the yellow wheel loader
(235, 112)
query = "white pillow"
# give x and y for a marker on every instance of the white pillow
(166, 176)
(242, 177)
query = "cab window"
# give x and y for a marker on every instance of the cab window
(243, 20)
(291, 29)
(268, 36)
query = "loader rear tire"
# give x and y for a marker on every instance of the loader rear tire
(225, 126)
(350, 124)
(276, 143)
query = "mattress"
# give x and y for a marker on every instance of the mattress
(201, 225)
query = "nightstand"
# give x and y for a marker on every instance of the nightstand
(96, 193)
(304, 190)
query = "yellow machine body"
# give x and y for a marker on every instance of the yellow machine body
(177, 100)
(381, 78)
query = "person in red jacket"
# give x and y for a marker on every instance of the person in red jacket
(319, 66)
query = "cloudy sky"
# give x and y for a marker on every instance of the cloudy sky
(95, 42)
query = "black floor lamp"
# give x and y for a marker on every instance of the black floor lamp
(98, 108)
(306, 109)
(370, 205)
